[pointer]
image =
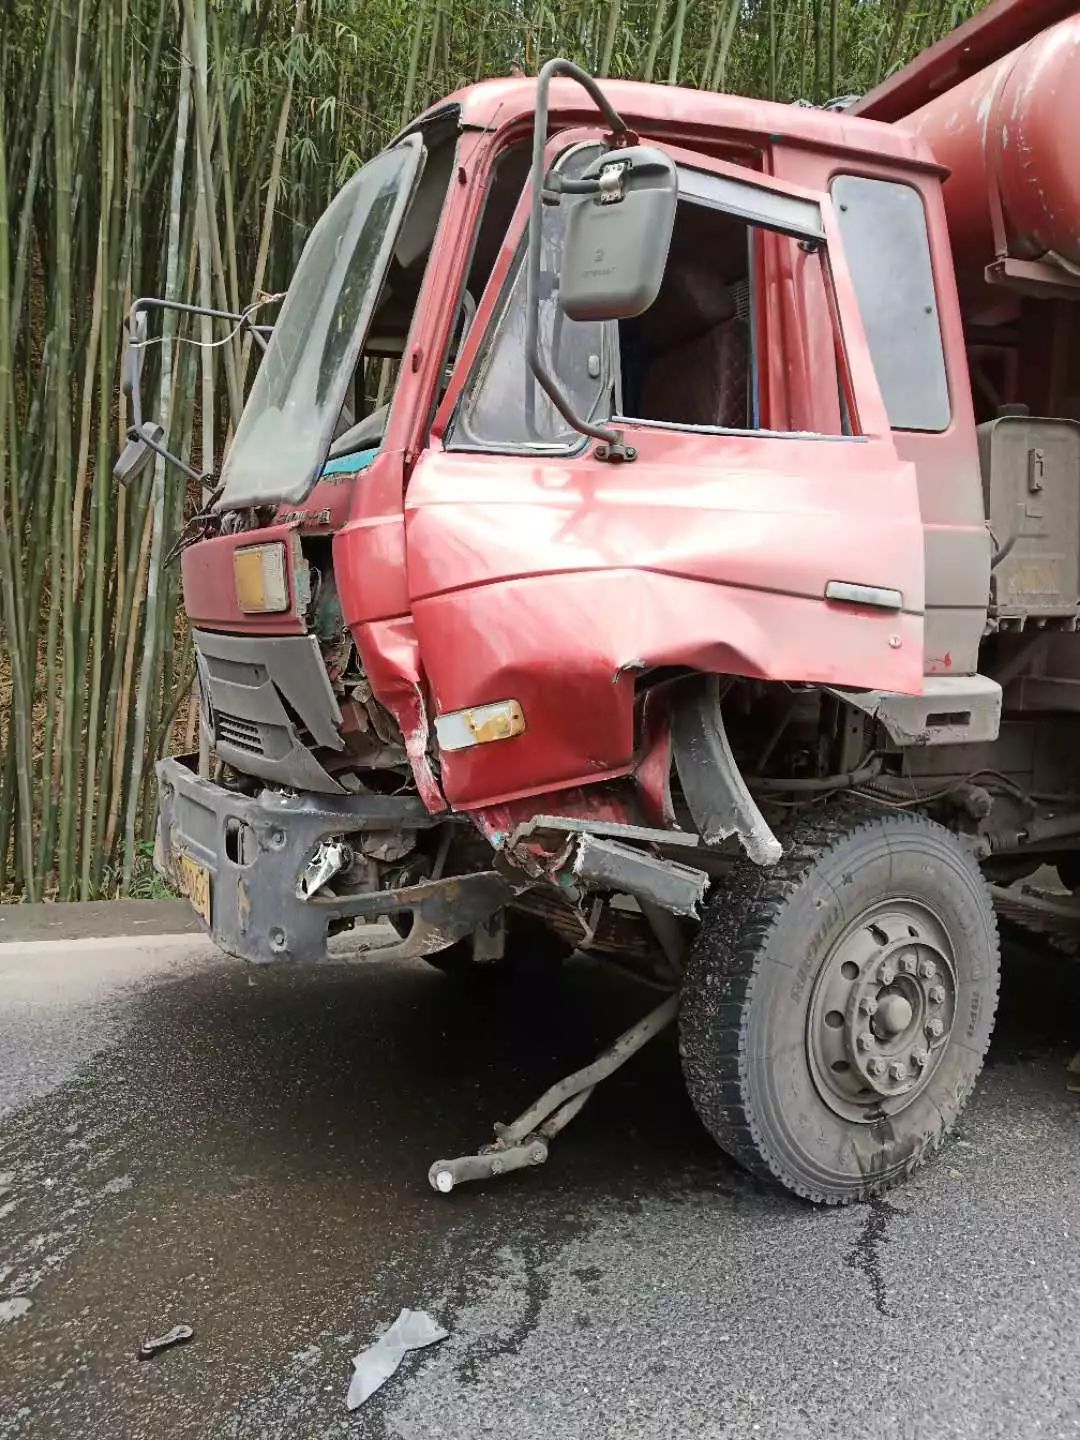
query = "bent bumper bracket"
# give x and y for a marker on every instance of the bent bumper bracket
(256, 850)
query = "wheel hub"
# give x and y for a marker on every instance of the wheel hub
(882, 1011)
(893, 1016)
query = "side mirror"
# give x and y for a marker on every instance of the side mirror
(137, 453)
(617, 239)
(598, 287)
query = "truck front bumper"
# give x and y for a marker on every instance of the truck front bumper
(239, 859)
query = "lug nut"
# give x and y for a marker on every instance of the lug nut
(937, 995)
(864, 1040)
(934, 1027)
(927, 969)
(875, 1066)
(897, 1070)
(919, 1058)
(886, 974)
(908, 964)
(868, 1005)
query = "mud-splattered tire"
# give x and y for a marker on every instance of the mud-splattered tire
(803, 981)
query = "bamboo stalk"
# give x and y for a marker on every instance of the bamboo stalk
(614, 11)
(149, 656)
(677, 43)
(719, 75)
(111, 127)
(891, 41)
(714, 41)
(36, 155)
(195, 39)
(272, 188)
(655, 36)
(224, 156)
(9, 579)
(63, 573)
(122, 709)
(419, 25)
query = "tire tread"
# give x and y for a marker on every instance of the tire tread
(731, 949)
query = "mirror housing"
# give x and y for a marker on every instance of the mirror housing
(617, 238)
(137, 453)
(612, 447)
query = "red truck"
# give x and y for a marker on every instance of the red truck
(705, 594)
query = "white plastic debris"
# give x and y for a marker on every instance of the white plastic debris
(412, 1330)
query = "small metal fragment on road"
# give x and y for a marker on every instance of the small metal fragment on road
(412, 1330)
(178, 1335)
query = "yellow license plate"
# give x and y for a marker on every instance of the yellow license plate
(194, 882)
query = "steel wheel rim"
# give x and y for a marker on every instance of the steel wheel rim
(882, 1011)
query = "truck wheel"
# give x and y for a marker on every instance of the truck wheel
(837, 1007)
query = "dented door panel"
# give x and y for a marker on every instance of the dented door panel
(555, 581)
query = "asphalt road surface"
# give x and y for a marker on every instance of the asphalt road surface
(185, 1140)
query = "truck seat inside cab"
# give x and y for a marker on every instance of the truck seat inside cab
(687, 358)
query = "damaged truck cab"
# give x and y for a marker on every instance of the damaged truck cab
(604, 534)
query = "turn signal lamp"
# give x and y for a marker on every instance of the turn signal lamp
(261, 578)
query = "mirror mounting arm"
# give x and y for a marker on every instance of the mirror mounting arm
(612, 447)
(145, 438)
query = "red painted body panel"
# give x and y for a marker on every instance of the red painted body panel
(390, 655)
(617, 804)
(209, 589)
(702, 118)
(946, 464)
(325, 510)
(554, 582)
(369, 552)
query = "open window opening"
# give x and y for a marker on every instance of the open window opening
(691, 359)
(361, 424)
(504, 407)
(357, 440)
(708, 354)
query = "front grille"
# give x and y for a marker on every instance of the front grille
(243, 734)
(272, 707)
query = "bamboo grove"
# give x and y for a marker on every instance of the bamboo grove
(184, 148)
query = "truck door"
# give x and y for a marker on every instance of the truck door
(766, 527)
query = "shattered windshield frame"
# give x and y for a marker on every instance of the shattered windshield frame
(285, 431)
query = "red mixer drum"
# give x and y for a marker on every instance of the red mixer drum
(1013, 131)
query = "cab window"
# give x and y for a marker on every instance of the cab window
(883, 223)
(691, 358)
(503, 408)
(696, 358)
